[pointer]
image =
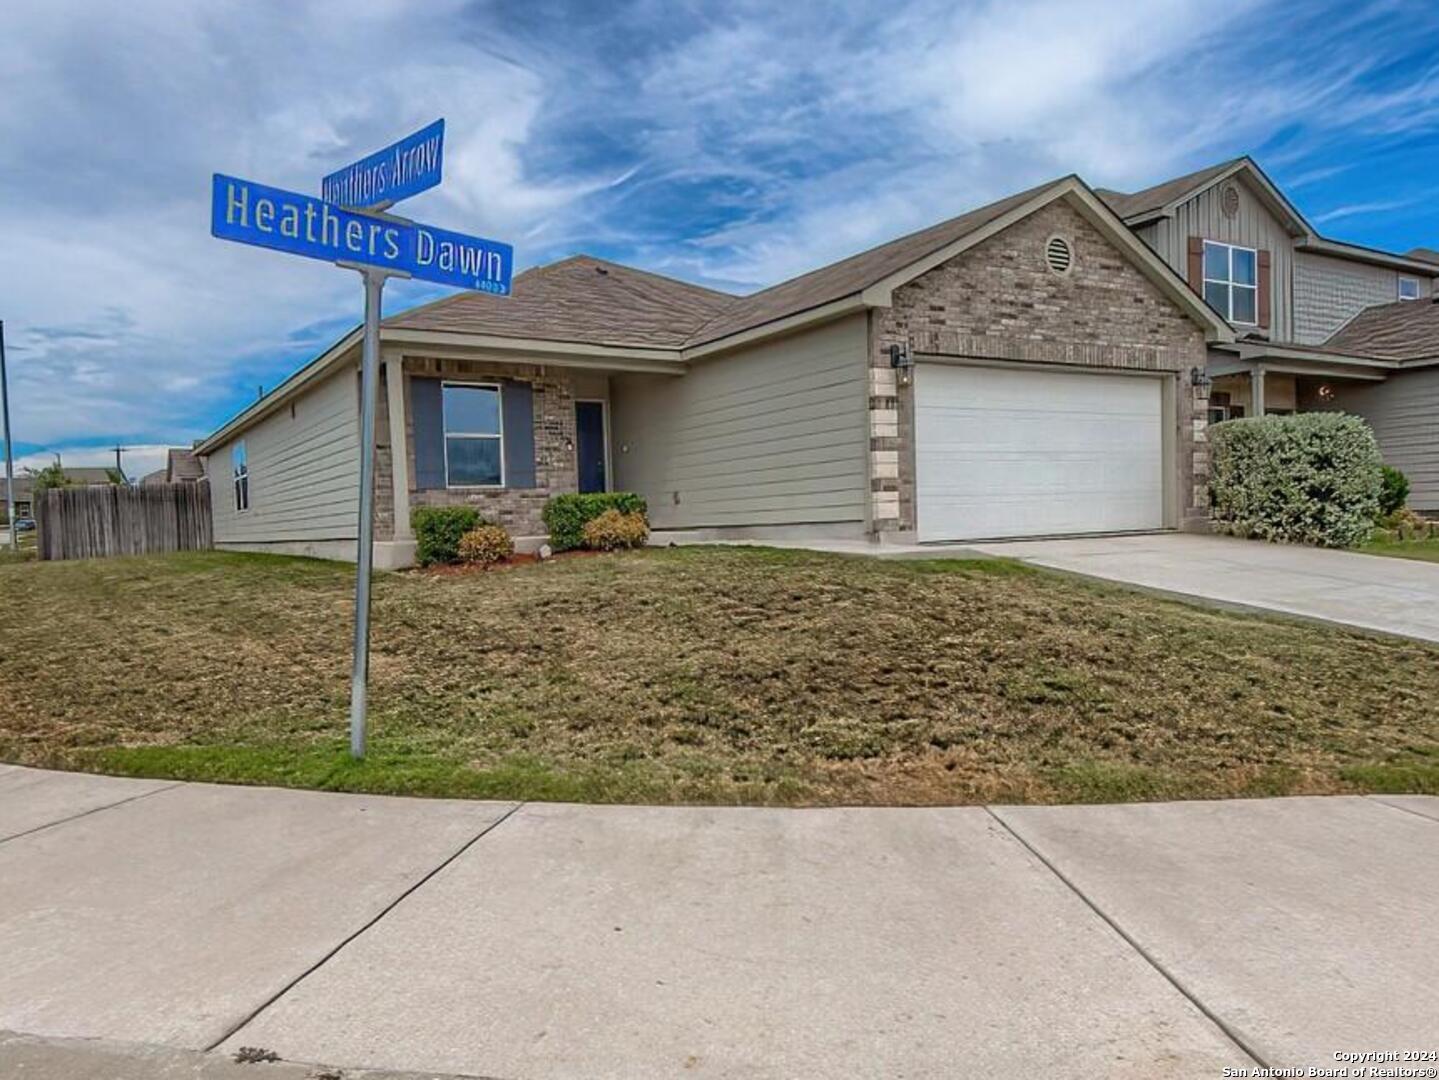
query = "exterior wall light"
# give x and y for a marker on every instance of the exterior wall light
(1199, 378)
(1325, 392)
(903, 364)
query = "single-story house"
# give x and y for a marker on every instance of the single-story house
(1040, 366)
(25, 486)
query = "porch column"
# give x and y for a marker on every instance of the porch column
(399, 445)
(1256, 389)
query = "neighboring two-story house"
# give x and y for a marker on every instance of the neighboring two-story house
(1318, 324)
(1044, 365)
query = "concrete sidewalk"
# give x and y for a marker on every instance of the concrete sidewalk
(556, 941)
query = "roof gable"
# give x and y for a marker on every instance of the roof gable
(1139, 207)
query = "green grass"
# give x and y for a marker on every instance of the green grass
(718, 675)
(1427, 550)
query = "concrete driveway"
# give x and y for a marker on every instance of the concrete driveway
(1396, 596)
(154, 929)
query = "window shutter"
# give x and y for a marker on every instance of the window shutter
(428, 411)
(1196, 264)
(1264, 295)
(517, 400)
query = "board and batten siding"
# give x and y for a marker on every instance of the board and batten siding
(304, 462)
(1403, 410)
(1328, 292)
(1253, 227)
(774, 434)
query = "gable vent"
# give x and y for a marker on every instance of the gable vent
(1058, 254)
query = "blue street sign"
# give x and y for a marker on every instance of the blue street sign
(398, 171)
(251, 213)
(452, 258)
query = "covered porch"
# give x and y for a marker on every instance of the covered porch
(1272, 380)
(499, 426)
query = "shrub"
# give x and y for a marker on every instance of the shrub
(613, 530)
(1393, 490)
(565, 515)
(438, 530)
(1405, 524)
(1310, 479)
(486, 545)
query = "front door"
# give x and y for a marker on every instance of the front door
(590, 445)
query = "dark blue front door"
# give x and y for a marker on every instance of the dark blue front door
(590, 444)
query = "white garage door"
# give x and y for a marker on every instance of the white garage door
(1019, 451)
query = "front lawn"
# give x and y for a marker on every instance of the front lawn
(701, 675)
(1427, 550)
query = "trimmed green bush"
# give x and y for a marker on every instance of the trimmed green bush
(438, 530)
(1307, 479)
(612, 531)
(565, 515)
(1393, 490)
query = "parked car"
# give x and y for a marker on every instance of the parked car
(24, 525)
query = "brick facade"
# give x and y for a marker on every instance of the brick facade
(999, 300)
(518, 510)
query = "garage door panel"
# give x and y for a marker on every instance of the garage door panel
(1025, 452)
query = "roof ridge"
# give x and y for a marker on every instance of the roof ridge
(666, 278)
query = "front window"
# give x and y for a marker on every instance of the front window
(473, 436)
(1231, 281)
(1408, 288)
(1221, 408)
(240, 465)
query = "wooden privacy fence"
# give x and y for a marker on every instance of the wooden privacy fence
(115, 519)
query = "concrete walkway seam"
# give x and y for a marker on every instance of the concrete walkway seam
(491, 827)
(92, 810)
(1173, 981)
(1381, 801)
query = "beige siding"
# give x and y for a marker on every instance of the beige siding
(1404, 412)
(304, 470)
(770, 435)
(1329, 292)
(1253, 226)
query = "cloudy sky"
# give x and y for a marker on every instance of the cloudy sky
(734, 144)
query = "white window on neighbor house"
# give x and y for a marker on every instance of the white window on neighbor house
(1408, 288)
(240, 465)
(1231, 281)
(474, 435)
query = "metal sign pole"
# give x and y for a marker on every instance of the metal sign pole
(369, 387)
(9, 455)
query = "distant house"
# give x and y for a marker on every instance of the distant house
(181, 467)
(25, 486)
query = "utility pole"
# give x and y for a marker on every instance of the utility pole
(119, 468)
(9, 454)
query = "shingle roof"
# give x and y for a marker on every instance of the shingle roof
(1423, 254)
(1134, 203)
(852, 275)
(581, 299)
(88, 474)
(590, 300)
(182, 464)
(1402, 330)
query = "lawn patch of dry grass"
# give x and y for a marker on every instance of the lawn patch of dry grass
(703, 674)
